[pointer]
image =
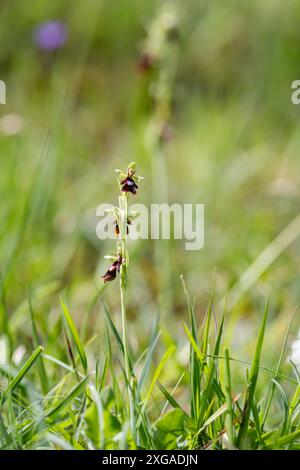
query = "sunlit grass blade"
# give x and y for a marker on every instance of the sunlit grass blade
(206, 328)
(147, 365)
(263, 368)
(242, 435)
(52, 413)
(169, 397)
(4, 434)
(41, 366)
(115, 383)
(101, 381)
(49, 418)
(284, 407)
(208, 392)
(272, 387)
(60, 442)
(59, 363)
(283, 441)
(16, 381)
(112, 325)
(295, 370)
(100, 416)
(257, 422)
(194, 345)
(157, 373)
(294, 404)
(70, 352)
(228, 393)
(196, 363)
(79, 420)
(216, 415)
(75, 335)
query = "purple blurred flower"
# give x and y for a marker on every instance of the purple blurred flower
(51, 35)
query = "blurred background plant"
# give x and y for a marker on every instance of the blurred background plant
(199, 96)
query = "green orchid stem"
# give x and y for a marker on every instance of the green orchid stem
(123, 209)
(123, 277)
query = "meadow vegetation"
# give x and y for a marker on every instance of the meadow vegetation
(200, 349)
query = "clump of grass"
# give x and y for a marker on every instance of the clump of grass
(70, 398)
(87, 408)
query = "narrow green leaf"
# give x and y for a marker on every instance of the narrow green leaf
(157, 372)
(285, 407)
(195, 364)
(216, 415)
(112, 326)
(287, 439)
(258, 424)
(103, 374)
(75, 335)
(52, 413)
(199, 354)
(208, 391)
(100, 416)
(242, 435)
(294, 403)
(229, 415)
(41, 366)
(15, 382)
(147, 364)
(169, 397)
(277, 373)
(206, 328)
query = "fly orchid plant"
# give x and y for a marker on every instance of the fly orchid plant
(128, 184)
(123, 219)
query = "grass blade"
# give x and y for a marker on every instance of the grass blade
(242, 435)
(41, 366)
(208, 391)
(287, 439)
(285, 407)
(196, 362)
(157, 372)
(272, 389)
(75, 335)
(52, 413)
(15, 382)
(112, 326)
(169, 397)
(147, 364)
(100, 416)
(229, 415)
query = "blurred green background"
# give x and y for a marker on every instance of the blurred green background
(75, 114)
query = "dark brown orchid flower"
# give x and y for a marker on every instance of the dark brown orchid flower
(128, 185)
(145, 63)
(117, 229)
(111, 273)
